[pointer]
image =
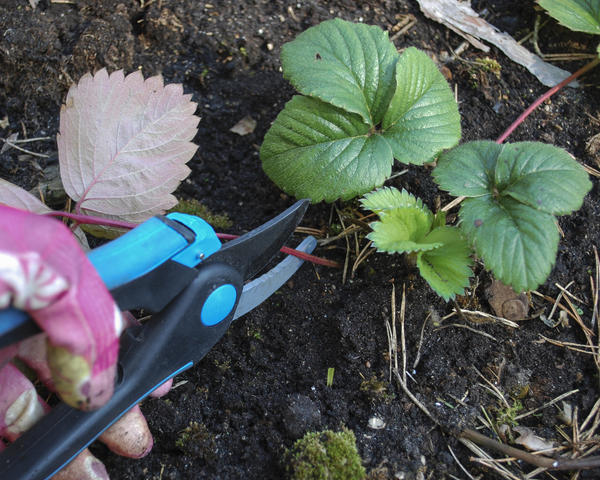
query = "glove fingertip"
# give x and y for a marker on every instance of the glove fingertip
(130, 436)
(83, 467)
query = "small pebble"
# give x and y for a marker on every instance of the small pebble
(376, 423)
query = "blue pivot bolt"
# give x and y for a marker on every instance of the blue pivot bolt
(218, 305)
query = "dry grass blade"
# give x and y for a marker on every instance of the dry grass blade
(466, 327)
(588, 332)
(565, 290)
(361, 257)
(594, 417)
(493, 388)
(406, 22)
(484, 459)
(453, 203)
(347, 257)
(348, 231)
(393, 349)
(460, 464)
(594, 281)
(547, 404)
(13, 144)
(482, 317)
(591, 170)
(576, 347)
(568, 57)
(315, 232)
(542, 461)
(402, 335)
(435, 317)
(391, 335)
(552, 300)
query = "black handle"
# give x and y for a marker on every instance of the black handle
(171, 342)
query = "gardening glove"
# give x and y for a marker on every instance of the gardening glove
(44, 272)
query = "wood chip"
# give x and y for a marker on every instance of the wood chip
(461, 18)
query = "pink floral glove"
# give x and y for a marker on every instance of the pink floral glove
(44, 272)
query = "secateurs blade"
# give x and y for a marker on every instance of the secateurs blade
(176, 267)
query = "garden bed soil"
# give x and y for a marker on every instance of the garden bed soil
(264, 384)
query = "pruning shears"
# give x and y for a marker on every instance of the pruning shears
(175, 267)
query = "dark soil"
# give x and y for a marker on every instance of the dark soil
(264, 384)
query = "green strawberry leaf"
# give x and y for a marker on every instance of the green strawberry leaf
(447, 268)
(402, 230)
(541, 176)
(422, 118)
(517, 242)
(351, 66)
(315, 150)
(578, 15)
(388, 198)
(340, 141)
(467, 170)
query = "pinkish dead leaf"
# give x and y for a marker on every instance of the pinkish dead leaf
(124, 143)
(531, 441)
(245, 126)
(14, 196)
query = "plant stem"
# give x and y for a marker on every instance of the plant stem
(545, 97)
(291, 251)
(93, 220)
(530, 109)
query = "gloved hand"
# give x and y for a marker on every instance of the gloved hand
(44, 272)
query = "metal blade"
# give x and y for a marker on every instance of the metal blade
(261, 288)
(251, 252)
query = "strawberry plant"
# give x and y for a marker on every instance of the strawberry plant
(123, 146)
(405, 225)
(513, 193)
(362, 105)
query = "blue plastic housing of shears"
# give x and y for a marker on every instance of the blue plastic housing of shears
(150, 244)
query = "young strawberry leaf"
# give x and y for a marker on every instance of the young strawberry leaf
(350, 66)
(515, 189)
(516, 242)
(407, 226)
(402, 230)
(124, 143)
(578, 15)
(388, 198)
(446, 268)
(340, 140)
